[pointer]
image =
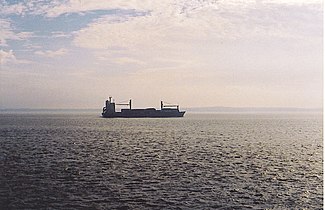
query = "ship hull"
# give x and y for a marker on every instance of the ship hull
(144, 113)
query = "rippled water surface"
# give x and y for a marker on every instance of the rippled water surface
(210, 161)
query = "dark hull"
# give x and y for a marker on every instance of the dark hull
(144, 113)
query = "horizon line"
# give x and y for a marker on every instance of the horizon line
(209, 108)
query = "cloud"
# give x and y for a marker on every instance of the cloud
(168, 26)
(180, 28)
(52, 53)
(138, 22)
(6, 56)
(7, 32)
(57, 8)
(110, 32)
(60, 34)
(9, 57)
(121, 60)
(7, 9)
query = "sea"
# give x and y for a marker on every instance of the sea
(78, 160)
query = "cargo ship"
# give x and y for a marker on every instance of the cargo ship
(165, 111)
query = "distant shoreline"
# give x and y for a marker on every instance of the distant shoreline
(255, 110)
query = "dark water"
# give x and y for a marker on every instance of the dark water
(67, 161)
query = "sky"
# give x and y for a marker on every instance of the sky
(197, 53)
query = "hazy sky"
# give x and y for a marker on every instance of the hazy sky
(239, 53)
